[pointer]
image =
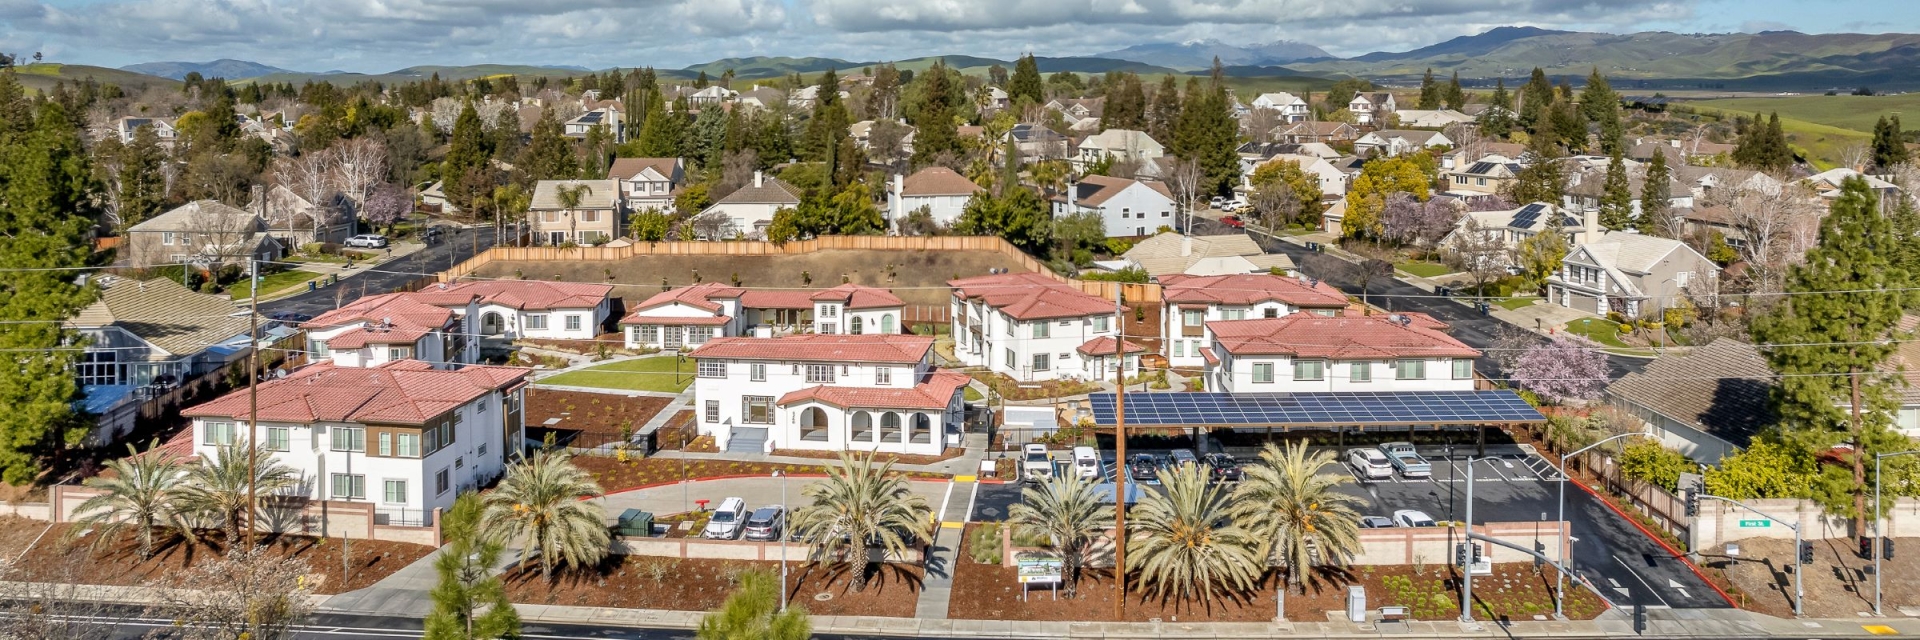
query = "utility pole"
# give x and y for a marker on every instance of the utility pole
(1119, 455)
(253, 395)
(1466, 568)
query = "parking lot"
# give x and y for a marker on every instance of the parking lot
(1510, 484)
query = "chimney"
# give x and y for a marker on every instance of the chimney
(759, 179)
(1589, 221)
(1073, 195)
(1676, 143)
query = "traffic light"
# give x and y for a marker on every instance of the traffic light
(1460, 556)
(1693, 503)
(1541, 549)
(1476, 552)
(1886, 548)
(1806, 553)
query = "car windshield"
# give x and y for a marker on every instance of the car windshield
(723, 516)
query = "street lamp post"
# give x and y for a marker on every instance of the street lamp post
(1878, 550)
(783, 537)
(1560, 577)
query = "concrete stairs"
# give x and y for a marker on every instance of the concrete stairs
(748, 440)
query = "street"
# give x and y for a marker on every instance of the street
(131, 622)
(455, 247)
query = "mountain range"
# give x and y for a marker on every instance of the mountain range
(1200, 54)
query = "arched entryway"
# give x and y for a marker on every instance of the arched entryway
(862, 427)
(922, 431)
(491, 324)
(813, 424)
(890, 428)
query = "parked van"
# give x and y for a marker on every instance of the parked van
(1086, 463)
(727, 521)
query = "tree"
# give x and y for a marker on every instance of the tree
(1562, 370)
(1296, 512)
(469, 603)
(1020, 217)
(1646, 460)
(219, 488)
(1408, 221)
(858, 508)
(1536, 97)
(467, 155)
(1539, 255)
(1656, 195)
(1497, 120)
(1843, 330)
(1773, 222)
(1889, 144)
(1067, 511)
(1283, 193)
(1126, 103)
(312, 177)
(936, 133)
(361, 164)
(1367, 197)
(1545, 180)
(1184, 544)
(134, 177)
(251, 592)
(1568, 125)
(1599, 104)
(752, 612)
(1430, 93)
(1026, 83)
(387, 206)
(549, 155)
(1480, 252)
(650, 225)
(920, 222)
(143, 491)
(1208, 135)
(1164, 112)
(1455, 97)
(1764, 147)
(1616, 196)
(1765, 469)
(541, 506)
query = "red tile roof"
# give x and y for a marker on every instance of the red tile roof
(777, 300)
(1031, 296)
(859, 297)
(1341, 337)
(363, 336)
(1103, 346)
(1207, 352)
(687, 321)
(935, 393)
(406, 392)
(1252, 288)
(178, 448)
(700, 296)
(893, 348)
(400, 310)
(520, 294)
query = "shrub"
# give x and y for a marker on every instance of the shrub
(1649, 461)
(983, 544)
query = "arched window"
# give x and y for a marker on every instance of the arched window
(862, 426)
(886, 323)
(890, 428)
(855, 325)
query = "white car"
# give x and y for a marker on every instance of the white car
(1086, 463)
(1036, 465)
(1413, 518)
(367, 241)
(1369, 463)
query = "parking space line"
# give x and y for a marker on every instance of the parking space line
(1498, 472)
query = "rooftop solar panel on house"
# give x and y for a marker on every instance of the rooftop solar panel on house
(1394, 408)
(590, 117)
(1481, 167)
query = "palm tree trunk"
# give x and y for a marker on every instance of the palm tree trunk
(860, 568)
(1070, 574)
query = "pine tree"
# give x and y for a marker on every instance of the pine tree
(1656, 195)
(142, 185)
(1763, 146)
(1429, 92)
(469, 603)
(828, 123)
(936, 133)
(1567, 125)
(1536, 97)
(1497, 120)
(1207, 133)
(662, 135)
(465, 172)
(1889, 145)
(1598, 98)
(1126, 103)
(1616, 197)
(1543, 181)
(1026, 83)
(709, 136)
(549, 155)
(1858, 297)
(1456, 97)
(1164, 113)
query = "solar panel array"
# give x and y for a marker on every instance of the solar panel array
(1528, 216)
(590, 117)
(1377, 408)
(1481, 168)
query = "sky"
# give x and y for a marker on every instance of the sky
(375, 36)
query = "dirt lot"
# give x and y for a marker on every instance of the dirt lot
(597, 418)
(58, 558)
(614, 475)
(1837, 583)
(645, 582)
(640, 277)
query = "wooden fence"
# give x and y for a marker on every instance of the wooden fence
(1141, 293)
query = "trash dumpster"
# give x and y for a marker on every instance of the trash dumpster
(634, 522)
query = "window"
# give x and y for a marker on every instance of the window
(1236, 314)
(278, 438)
(1462, 368)
(829, 311)
(1042, 330)
(1263, 372)
(819, 374)
(573, 323)
(1410, 370)
(757, 409)
(883, 375)
(758, 371)
(1179, 348)
(386, 444)
(829, 328)
(1309, 370)
(98, 367)
(166, 237)
(856, 325)
(1040, 362)
(649, 334)
(396, 491)
(589, 215)
(538, 321)
(318, 349)
(1192, 318)
(1361, 372)
(713, 368)
(459, 463)
(1010, 358)
(440, 482)
(1099, 323)
(1271, 312)
(346, 487)
(408, 445)
(886, 323)
(349, 439)
(480, 450)
(713, 411)
(399, 353)
(217, 433)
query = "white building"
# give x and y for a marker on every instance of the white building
(403, 435)
(828, 393)
(1368, 108)
(375, 330)
(515, 309)
(942, 191)
(1513, 226)
(1028, 326)
(1393, 142)
(749, 210)
(648, 183)
(605, 117)
(690, 316)
(1333, 181)
(1122, 145)
(1306, 352)
(1191, 303)
(1127, 208)
(1290, 107)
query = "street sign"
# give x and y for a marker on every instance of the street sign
(1755, 524)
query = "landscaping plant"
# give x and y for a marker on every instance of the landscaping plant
(1183, 543)
(1066, 510)
(542, 505)
(140, 490)
(860, 507)
(469, 603)
(752, 612)
(1293, 509)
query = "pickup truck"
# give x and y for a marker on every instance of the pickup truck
(1036, 465)
(1406, 461)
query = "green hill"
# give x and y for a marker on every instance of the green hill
(1846, 112)
(44, 75)
(414, 74)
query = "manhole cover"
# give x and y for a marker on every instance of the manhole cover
(822, 596)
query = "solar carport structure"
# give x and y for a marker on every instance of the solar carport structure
(1338, 411)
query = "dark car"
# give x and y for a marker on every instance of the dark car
(765, 524)
(1143, 467)
(1225, 468)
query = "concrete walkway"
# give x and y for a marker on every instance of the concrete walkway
(936, 587)
(404, 593)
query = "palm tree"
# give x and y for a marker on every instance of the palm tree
(752, 612)
(219, 488)
(1183, 544)
(1295, 511)
(542, 504)
(1067, 510)
(143, 490)
(570, 196)
(860, 507)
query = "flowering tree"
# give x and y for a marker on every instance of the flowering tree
(1409, 221)
(1561, 370)
(387, 205)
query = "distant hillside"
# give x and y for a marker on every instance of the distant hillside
(222, 68)
(417, 73)
(769, 67)
(43, 76)
(1201, 54)
(1474, 45)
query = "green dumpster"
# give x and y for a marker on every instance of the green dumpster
(636, 523)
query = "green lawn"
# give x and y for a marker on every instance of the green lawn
(1598, 330)
(1423, 269)
(271, 284)
(1847, 112)
(971, 394)
(1517, 302)
(658, 373)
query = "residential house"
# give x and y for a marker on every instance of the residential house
(1126, 207)
(434, 195)
(608, 117)
(163, 130)
(1631, 273)
(1333, 181)
(1706, 183)
(1461, 157)
(1827, 184)
(1290, 107)
(1678, 152)
(514, 309)
(1192, 302)
(1431, 119)
(1119, 145)
(1315, 131)
(1707, 402)
(749, 209)
(824, 392)
(1036, 142)
(403, 436)
(1489, 175)
(144, 337)
(712, 95)
(1393, 142)
(689, 316)
(862, 133)
(294, 221)
(1371, 108)
(648, 183)
(208, 233)
(944, 192)
(996, 99)
(1029, 327)
(1080, 114)
(1304, 352)
(378, 329)
(1254, 154)
(1170, 253)
(1586, 187)
(596, 219)
(1514, 226)
(758, 97)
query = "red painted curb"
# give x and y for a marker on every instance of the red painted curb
(746, 475)
(1677, 555)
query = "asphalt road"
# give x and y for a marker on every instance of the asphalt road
(129, 622)
(456, 246)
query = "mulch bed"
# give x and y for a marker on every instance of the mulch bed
(1837, 583)
(17, 532)
(895, 458)
(1010, 389)
(678, 432)
(647, 582)
(60, 558)
(614, 475)
(600, 416)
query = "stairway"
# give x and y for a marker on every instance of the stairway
(748, 440)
